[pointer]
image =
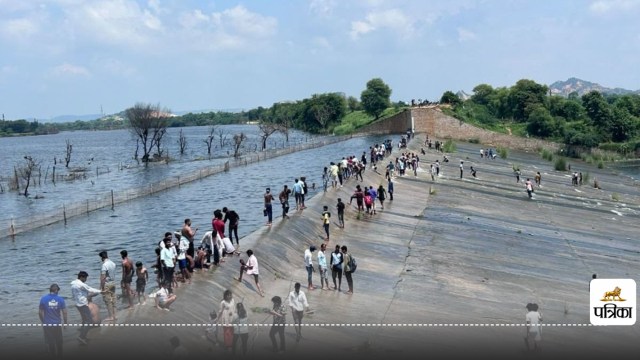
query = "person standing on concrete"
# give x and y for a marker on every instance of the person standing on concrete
(268, 209)
(533, 320)
(326, 221)
(390, 189)
(381, 195)
(308, 263)
(322, 266)
(81, 294)
(346, 260)
(340, 207)
(279, 312)
(108, 285)
(234, 221)
(298, 303)
(461, 168)
(284, 201)
(53, 316)
(127, 278)
(336, 267)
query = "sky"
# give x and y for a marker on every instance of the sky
(62, 57)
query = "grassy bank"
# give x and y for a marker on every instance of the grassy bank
(357, 119)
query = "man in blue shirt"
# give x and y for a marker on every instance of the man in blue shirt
(53, 311)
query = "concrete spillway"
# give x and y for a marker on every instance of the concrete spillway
(446, 268)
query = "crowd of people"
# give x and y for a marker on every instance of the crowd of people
(179, 256)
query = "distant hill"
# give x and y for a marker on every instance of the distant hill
(71, 118)
(564, 88)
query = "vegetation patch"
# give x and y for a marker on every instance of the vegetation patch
(560, 164)
(449, 146)
(503, 152)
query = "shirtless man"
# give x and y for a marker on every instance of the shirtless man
(127, 278)
(190, 234)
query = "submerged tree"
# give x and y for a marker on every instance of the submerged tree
(209, 139)
(67, 157)
(266, 130)
(238, 139)
(182, 142)
(26, 172)
(148, 123)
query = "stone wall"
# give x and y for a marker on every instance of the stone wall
(441, 126)
(396, 124)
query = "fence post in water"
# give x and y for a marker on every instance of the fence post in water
(112, 203)
(64, 213)
(87, 207)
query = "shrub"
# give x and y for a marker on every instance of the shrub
(474, 141)
(600, 164)
(449, 146)
(585, 177)
(560, 164)
(503, 152)
(547, 155)
(615, 197)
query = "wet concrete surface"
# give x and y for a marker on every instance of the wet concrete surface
(445, 269)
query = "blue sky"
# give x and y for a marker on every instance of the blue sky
(73, 56)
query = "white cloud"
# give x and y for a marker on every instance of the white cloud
(19, 28)
(234, 28)
(67, 69)
(392, 19)
(610, 6)
(117, 22)
(246, 22)
(322, 7)
(465, 35)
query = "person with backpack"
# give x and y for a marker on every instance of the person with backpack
(348, 267)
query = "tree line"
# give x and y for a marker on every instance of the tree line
(318, 114)
(591, 120)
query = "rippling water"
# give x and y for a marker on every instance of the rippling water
(57, 252)
(107, 157)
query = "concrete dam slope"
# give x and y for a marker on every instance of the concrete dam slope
(446, 268)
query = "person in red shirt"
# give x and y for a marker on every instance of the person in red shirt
(218, 232)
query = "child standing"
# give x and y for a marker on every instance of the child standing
(141, 282)
(326, 220)
(340, 206)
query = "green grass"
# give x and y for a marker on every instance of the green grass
(585, 177)
(615, 197)
(449, 146)
(357, 119)
(547, 154)
(503, 152)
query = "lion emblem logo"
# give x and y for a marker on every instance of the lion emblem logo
(612, 295)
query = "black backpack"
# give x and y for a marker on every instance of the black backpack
(353, 265)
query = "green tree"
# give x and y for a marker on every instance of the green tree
(450, 98)
(353, 104)
(523, 96)
(541, 123)
(482, 94)
(375, 98)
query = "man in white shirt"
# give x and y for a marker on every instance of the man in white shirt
(322, 266)
(183, 246)
(81, 293)
(251, 268)
(108, 285)
(308, 263)
(298, 302)
(166, 258)
(207, 242)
